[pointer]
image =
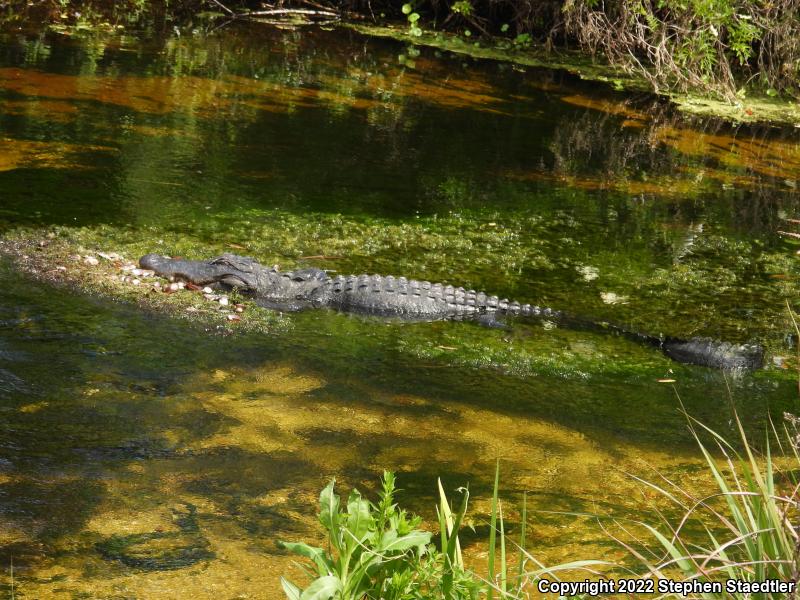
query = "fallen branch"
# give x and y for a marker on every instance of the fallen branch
(292, 11)
(223, 7)
(790, 234)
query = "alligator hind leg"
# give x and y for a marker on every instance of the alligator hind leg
(492, 321)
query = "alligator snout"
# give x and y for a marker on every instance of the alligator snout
(152, 262)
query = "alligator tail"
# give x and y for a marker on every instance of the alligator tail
(705, 352)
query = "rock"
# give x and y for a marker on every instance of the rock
(223, 301)
(233, 317)
(91, 261)
(207, 290)
(136, 282)
(173, 287)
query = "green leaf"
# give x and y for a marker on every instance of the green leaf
(413, 17)
(359, 518)
(407, 8)
(504, 28)
(329, 511)
(316, 555)
(413, 539)
(323, 588)
(291, 590)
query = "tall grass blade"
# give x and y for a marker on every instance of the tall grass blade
(523, 526)
(493, 531)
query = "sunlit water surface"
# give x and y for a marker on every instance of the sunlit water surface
(142, 456)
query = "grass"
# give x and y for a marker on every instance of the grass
(743, 532)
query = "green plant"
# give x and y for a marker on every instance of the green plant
(413, 19)
(374, 549)
(747, 532)
(749, 524)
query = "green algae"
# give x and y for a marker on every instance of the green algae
(648, 299)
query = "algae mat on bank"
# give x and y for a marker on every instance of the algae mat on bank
(755, 108)
(157, 444)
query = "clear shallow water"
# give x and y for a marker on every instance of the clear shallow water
(118, 423)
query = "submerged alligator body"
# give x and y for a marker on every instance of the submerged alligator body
(409, 299)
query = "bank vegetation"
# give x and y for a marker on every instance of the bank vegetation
(721, 48)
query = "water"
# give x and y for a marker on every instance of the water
(143, 456)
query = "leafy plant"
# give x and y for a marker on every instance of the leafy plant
(374, 549)
(413, 19)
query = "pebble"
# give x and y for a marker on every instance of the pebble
(239, 309)
(75, 257)
(156, 287)
(61, 268)
(233, 317)
(223, 301)
(210, 297)
(109, 255)
(207, 290)
(136, 282)
(180, 285)
(173, 287)
(91, 261)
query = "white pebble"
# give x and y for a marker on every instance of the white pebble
(136, 282)
(181, 285)
(61, 268)
(91, 261)
(210, 297)
(223, 301)
(239, 309)
(233, 317)
(173, 287)
(207, 290)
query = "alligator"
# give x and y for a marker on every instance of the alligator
(412, 300)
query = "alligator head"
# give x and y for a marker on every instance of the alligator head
(230, 270)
